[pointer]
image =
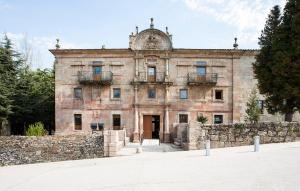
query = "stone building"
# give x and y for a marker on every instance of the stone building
(150, 86)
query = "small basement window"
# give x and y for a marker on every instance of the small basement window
(218, 119)
(183, 118)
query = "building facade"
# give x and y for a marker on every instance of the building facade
(150, 86)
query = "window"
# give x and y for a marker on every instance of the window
(260, 104)
(97, 70)
(218, 119)
(78, 121)
(219, 94)
(151, 93)
(78, 93)
(151, 73)
(116, 93)
(183, 118)
(116, 121)
(183, 94)
(201, 70)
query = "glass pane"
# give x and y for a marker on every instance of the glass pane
(97, 69)
(218, 119)
(183, 94)
(77, 92)
(116, 93)
(151, 93)
(201, 71)
(151, 71)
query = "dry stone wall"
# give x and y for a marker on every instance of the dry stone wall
(239, 134)
(24, 150)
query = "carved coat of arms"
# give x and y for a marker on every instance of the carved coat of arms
(151, 42)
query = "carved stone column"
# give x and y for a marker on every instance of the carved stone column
(136, 137)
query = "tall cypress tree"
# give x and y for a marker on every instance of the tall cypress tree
(277, 67)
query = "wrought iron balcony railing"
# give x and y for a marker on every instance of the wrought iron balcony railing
(159, 77)
(206, 79)
(89, 77)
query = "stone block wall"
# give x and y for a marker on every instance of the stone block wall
(24, 150)
(239, 134)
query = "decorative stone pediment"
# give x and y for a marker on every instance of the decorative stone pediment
(151, 39)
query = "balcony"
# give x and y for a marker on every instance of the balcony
(206, 79)
(158, 78)
(89, 77)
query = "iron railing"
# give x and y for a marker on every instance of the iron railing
(158, 77)
(89, 77)
(209, 78)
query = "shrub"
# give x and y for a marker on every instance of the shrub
(36, 129)
(202, 119)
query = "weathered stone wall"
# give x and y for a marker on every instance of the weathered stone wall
(24, 150)
(239, 134)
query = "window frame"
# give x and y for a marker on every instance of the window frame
(183, 114)
(149, 90)
(222, 95)
(99, 72)
(222, 118)
(113, 93)
(75, 93)
(187, 94)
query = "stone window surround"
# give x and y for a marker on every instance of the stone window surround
(155, 92)
(112, 93)
(214, 95)
(213, 118)
(187, 93)
(74, 94)
(183, 113)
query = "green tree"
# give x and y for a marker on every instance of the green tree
(252, 111)
(277, 66)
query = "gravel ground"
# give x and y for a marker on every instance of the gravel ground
(275, 167)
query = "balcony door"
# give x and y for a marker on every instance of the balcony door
(201, 73)
(97, 71)
(151, 74)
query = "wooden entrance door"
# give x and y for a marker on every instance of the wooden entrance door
(147, 123)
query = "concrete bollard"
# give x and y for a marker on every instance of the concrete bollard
(207, 147)
(256, 143)
(139, 149)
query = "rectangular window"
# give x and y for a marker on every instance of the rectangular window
(218, 119)
(78, 93)
(183, 93)
(219, 94)
(151, 93)
(260, 104)
(116, 121)
(183, 118)
(116, 93)
(201, 70)
(78, 121)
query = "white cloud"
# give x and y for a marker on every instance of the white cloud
(36, 49)
(246, 16)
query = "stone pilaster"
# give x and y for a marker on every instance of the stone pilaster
(136, 137)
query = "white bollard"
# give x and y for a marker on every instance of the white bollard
(139, 149)
(256, 143)
(207, 147)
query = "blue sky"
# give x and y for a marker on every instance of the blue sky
(36, 24)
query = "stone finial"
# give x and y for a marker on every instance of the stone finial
(151, 24)
(235, 45)
(167, 30)
(136, 29)
(57, 46)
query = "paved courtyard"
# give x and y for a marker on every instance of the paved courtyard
(275, 167)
